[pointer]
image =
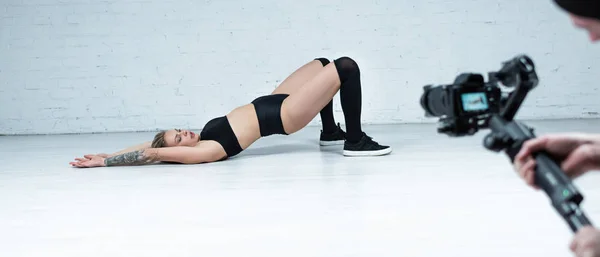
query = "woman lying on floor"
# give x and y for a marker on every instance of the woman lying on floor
(300, 97)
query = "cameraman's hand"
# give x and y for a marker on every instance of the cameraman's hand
(577, 152)
(586, 242)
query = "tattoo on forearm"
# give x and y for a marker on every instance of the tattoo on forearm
(131, 158)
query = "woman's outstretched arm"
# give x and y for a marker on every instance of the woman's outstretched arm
(133, 158)
(141, 146)
(178, 154)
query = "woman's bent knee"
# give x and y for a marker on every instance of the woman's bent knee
(346, 68)
(324, 61)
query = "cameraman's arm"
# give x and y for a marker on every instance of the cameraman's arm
(576, 152)
(582, 138)
(595, 138)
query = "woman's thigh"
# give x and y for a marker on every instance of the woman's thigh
(299, 77)
(305, 103)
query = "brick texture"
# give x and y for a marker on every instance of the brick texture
(81, 66)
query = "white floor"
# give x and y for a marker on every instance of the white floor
(433, 196)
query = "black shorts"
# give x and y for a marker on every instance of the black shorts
(219, 129)
(268, 112)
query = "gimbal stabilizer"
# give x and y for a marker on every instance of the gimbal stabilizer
(470, 104)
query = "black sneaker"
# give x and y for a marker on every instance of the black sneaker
(336, 138)
(365, 147)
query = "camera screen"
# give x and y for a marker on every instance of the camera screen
(474, 101)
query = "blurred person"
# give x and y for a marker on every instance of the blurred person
(578, 153)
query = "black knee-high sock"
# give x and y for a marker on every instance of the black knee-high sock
(350, 96)
(327, 118)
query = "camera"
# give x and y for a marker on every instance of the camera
(466, 105)
(470, 104)
(463, 105)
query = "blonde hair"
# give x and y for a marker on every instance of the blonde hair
(159, 140)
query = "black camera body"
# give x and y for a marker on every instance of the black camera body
(463, 106)
(471, 104)
(466, 106)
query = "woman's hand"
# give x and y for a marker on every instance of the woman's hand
(89, 161)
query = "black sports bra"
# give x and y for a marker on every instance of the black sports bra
(219, 129)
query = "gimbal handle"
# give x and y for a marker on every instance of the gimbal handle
(510, 136)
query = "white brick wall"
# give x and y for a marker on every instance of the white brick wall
(70, 66)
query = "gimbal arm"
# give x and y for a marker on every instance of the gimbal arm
(519, 72)
(509, 135)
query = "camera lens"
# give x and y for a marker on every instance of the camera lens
(423, 102)
(435, 101)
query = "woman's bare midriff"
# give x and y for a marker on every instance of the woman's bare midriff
(244, 124)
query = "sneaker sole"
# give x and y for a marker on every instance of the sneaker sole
(328, 143)
(368, 153)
